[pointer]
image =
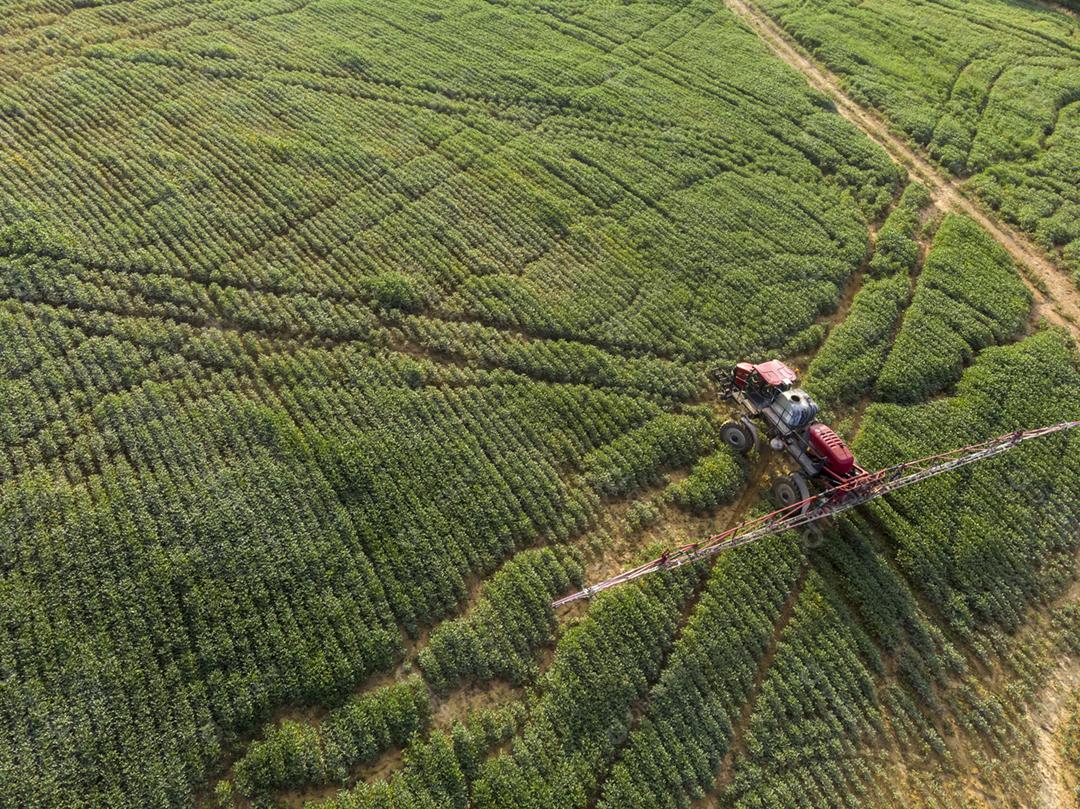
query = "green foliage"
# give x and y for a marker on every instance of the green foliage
(564, 206)
(816, 709)
(295, 754)
(641, 513)
(432, 778)
(512, 619)
(805, 341)
(395, 291)
(886, 608)
(312, 315)
(715, 479)
(969, 296)
(602, 666)
(437, 770)
(897, 249)
(224, 795)
(286, 543)
(1067, 623)
(851, 359)
(637, 458)
(991, 95)
(674, 753)
(848, 364)
(556, 360)
(986, 541)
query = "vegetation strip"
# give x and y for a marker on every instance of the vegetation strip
(1058, 296)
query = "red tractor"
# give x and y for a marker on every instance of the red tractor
(768, 394)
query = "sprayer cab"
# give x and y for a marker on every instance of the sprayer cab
(773, 404)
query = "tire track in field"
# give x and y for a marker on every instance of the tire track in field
(1057, 298)
(1060, 8)
(617, 559)
(737, 745)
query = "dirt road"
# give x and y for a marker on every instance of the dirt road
(1059, 304)
(1047, 720)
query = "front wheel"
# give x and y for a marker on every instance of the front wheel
(737, 436)
(790, 489)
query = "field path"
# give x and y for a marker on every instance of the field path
(1052, 5)
(1048, 714)
(737, 745)
(1059, 303)
(1047, 719)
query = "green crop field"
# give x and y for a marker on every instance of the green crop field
(339, 337)
(990, 88)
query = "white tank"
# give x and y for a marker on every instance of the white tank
(794, 408)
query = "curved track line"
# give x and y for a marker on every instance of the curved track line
(737, 745)
(1059, 304)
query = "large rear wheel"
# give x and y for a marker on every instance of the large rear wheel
(737, 436)
(790, 489)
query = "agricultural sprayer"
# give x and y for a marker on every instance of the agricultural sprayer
(772, 404)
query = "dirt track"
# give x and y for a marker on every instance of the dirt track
(1060, 304)
(1047, 718)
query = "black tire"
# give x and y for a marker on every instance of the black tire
(755, 435)
(737, 437)
(811, 536)
(790, 489)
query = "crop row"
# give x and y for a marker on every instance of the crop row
(258, 425)
(575, 722)
(294, 754)
(713, 480)
(816, 709)
(298, 226)
(986, 542)
(602, 667)
(673, 755)
(262, 559)
(896, 248)
(849, 362)
(992, 94)
(888, 611)
(826, 714)
(637, 458)
(439, 771)
(554, 360)
(511, 620)
(969, 295)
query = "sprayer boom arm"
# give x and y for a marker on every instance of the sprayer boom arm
(824, 504)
